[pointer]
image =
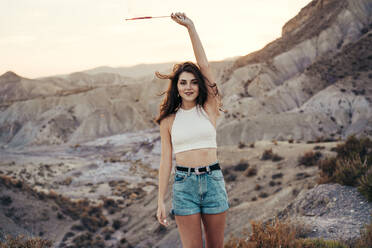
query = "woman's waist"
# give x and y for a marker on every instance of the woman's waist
(197, 157)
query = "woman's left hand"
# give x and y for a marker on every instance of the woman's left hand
(182, 19)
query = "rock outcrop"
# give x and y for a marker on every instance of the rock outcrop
(323, 51)
(331, 211)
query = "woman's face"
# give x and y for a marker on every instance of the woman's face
(188, 86)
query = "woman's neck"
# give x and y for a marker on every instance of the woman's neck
(188, 105)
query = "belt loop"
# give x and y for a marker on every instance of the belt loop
(209, 171)
(188, 171)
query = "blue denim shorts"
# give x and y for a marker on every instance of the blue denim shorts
(204, 193)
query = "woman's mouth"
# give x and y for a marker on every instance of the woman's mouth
(189, 93)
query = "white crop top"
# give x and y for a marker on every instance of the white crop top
(192, 129)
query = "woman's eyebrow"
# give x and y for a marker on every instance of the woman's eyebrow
(191, 79)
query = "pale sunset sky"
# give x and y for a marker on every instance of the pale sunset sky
(49, 37)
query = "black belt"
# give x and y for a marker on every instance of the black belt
(200, 170)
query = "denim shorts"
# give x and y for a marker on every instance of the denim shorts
(204, 193)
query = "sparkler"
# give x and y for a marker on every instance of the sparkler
(144, 17)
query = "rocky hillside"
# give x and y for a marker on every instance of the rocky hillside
(68, 110)
(312, 82)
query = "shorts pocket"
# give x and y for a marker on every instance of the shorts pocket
(180, 177)
(217, 175)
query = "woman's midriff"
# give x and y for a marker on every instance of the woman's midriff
(197, 157)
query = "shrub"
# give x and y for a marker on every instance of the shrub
(257, 187)
(365, 186)
(351, 164)
(286, 234)
(241, 145)
(116, 224)
(83, 240)
(6, 200)
(242, 166)
(93, 219)
(21, 242)
(354, 146)
(250, 172)
(275, 234)
(320, 243)
(230, 178)
(327, 168)
(277, 175)
(268, 154)
(263, 195)
(319, 147)
(67, 181)
(348, 171)
(365, 239)
(309, 158)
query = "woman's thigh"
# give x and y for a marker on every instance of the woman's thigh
(214, 227)
(189, 227)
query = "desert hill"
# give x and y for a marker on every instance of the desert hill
(275, 93)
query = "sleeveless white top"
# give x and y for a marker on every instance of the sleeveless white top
(192, 129)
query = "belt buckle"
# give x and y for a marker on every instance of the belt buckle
(197, 172)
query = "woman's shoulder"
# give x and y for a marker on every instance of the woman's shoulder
(167, 122)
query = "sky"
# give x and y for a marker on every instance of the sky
(49, 37)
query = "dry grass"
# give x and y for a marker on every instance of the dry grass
(275, 234)
(365, 185)
(310, 158)
(287, 234)
(270, 155)
(351, 166)
(91, 216)
(22, 242)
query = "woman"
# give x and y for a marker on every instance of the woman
(187, 119)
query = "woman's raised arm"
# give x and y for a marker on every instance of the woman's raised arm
(201, 59)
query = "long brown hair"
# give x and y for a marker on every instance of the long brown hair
(172, 100)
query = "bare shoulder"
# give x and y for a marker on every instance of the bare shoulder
(165, 135)
(167, 122)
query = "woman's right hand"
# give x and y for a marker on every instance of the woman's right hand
(160, 215)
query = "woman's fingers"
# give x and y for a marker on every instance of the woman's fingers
(162, 218)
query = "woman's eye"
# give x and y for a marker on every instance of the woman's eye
(183, 83)
(195, 82)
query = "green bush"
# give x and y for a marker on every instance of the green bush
(365, 185)
(354, 146)
(350, 166)
(348, 171)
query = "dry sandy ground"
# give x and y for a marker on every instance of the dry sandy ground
(257, 188)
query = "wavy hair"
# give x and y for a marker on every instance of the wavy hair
(172, 100)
